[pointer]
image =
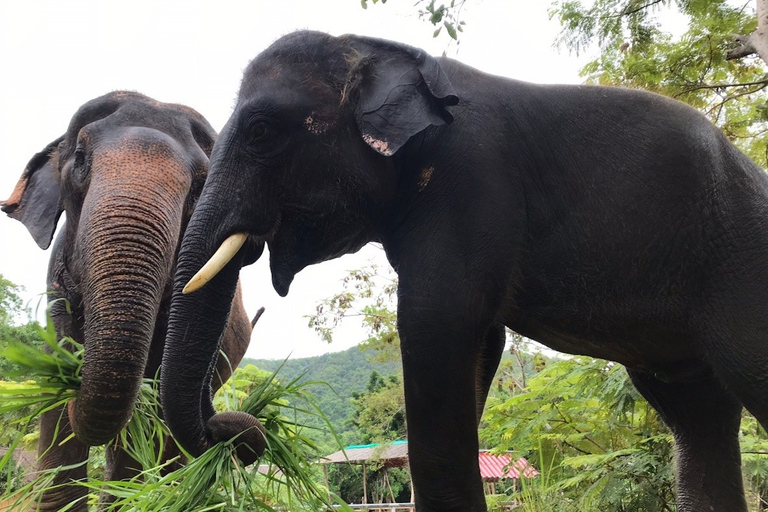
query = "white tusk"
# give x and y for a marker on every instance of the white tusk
(220, 258)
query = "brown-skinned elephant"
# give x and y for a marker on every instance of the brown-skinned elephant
(602, 221)
(127, 172)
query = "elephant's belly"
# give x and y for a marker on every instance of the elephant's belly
(668, 356)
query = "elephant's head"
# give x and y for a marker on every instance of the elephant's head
(306, 166)
(127, 172)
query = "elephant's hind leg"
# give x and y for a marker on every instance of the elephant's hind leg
(733, 333)
(57, 448)
(704, 419)
(741, 363)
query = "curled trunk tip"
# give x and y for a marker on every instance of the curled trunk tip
(248, 433)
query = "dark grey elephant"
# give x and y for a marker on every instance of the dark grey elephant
(600, 221)
(127, 172)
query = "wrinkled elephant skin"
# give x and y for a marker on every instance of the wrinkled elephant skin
(127, 172)
(601, 221)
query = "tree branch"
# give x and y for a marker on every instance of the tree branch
(762, 83)
(719, 107)
(567, 421)
(757, 41)
(744, 49)
(637, 9)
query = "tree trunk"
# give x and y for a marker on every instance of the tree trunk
(757, 41)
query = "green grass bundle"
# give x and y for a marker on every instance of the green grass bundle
(54, 375)
(214, 481)
(52, 379)
(284, 477)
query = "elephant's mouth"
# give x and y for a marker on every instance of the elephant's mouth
(253, 248)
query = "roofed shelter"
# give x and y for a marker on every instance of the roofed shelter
(496, 467)
(395, 455)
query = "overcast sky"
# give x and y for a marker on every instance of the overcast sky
(55, 56)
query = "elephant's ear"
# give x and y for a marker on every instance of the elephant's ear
(202, 131)
(36, 199)
(400, 91)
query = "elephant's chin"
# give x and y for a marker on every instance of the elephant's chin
(282, 277)
(284, 262)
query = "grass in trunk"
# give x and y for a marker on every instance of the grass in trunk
(214, 481)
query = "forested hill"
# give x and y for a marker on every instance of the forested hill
(346, 372)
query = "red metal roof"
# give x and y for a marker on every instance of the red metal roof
(492, 467)
(495, 467)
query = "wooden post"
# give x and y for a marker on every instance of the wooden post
(389, 485)
(327, 483)
(365, 485)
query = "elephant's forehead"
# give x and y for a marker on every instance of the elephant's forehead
(136, 156)
(281, 81)
(313, 104)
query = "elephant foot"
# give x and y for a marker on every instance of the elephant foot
(73, 497)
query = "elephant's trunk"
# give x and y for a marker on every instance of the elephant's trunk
(130, 229)
(197, 321)
(119, 327)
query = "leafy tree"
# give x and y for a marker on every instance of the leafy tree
(368, 293)
(11, 477)
(384, 485)
(443, 16)
(754, 454)
(698, 67)
(717, 65)
(345, 374)
(635, 22)
(610, 450)
(12, 312)
(380, 412)
(379, 418)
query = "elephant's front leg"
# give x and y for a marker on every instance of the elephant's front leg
(120, 467)
(440, 361)
(491, 349)
(58, 447)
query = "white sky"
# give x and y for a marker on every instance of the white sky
(55, 56)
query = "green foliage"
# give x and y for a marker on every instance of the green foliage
(12, 312)
(391, 485)
(380, 412)
(11, 477)
(368, 293)
(541, 494)
(521, 361)
(216, 479)
(636, 51)
(443, 16)
(11, 305)
(344, 375)
(53, 375)
(610, 450)
(754, 459)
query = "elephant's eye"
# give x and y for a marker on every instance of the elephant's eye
(258, 130)
(81, 167)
